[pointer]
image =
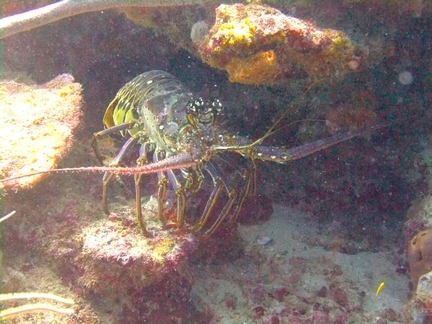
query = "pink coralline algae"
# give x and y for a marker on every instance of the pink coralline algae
(258, 44)
(96, 257)
(117, 254)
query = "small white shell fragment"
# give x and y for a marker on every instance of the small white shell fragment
(263, 240)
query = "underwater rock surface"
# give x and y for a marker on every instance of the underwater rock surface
(258, 44)
(37, 124)
(338, 211)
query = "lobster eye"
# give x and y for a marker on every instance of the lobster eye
(204, 111)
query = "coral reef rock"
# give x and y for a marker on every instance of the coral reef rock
(258, 44)
(422, 301)
(117, 253)
(37, 122)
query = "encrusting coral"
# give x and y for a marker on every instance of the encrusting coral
(116, 252)
(37, 122)
(257, 44)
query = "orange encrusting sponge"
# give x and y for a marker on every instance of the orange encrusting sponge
(420, 255)
(259, 69)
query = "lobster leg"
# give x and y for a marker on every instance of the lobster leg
(218, 185)
(232, 198)
(142, 160)
(140, 220)
(177, 187)
(181, 197)
(162, 184)
(125, 148)
(106, 132)
(225, 210)
(248, 188)
(250, 182)
(115, 162)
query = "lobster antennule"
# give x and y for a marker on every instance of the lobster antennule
(281, 155)
(183, 160)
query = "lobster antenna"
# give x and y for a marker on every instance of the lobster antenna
(175, 162)
(271, 130)
(295, 122)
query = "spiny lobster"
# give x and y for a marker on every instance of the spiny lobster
(180, 139)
